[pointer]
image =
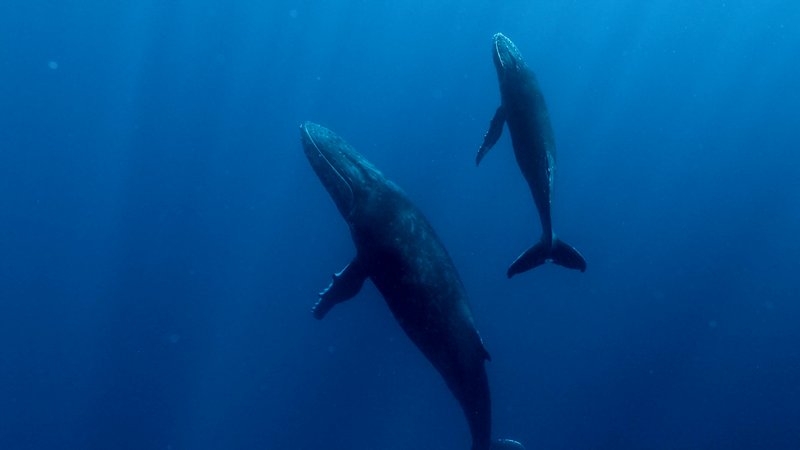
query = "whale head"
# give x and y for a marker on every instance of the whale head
(506, 56)
(347, 176)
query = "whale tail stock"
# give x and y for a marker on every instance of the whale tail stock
(558, 251)
(506, 444)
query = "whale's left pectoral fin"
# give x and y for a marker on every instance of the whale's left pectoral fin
(495, 130)
(506, 444)
(345, 285)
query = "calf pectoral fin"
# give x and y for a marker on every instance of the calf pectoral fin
(491, 137)
(345, 285)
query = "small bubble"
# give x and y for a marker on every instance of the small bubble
(52, 65)
(331, 349)
(293, 13)
(712, 324)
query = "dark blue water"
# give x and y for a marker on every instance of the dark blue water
(162, 237)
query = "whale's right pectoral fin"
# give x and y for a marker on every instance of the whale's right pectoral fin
(495, 130)
(506, 444)
(345, 285)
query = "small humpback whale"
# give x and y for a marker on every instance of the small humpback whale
(522, 107)
(399, 251)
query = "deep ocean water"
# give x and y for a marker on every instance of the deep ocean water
(163, 238)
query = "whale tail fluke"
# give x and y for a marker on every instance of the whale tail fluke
(566, 255)
(558, 251)
(506, 444)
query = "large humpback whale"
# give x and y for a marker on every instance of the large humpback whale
(523, 109)
(399, 251)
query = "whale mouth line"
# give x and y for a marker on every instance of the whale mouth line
(497, 53)
(336, 171)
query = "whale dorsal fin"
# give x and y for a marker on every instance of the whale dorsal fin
(491, 137)
(486, 354)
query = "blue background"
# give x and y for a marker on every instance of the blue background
(162, 237)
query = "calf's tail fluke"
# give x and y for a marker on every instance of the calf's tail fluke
(557, 251)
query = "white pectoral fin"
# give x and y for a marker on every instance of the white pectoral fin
(506, 444)
(345, 285)
(491, 137)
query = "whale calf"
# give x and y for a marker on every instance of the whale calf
(398, 250)
(523, 109)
